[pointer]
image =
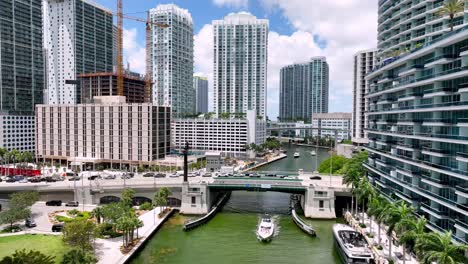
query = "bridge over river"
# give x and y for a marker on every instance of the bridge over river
(195, 196)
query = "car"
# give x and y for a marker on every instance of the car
(24, 180)
(148, 174)
(208, 174)
(290, 178)
(254, 175)
(74, 178)
(125, 176)
(49, 179)
(72, 204)
(160, 175)
(34, 179)
(57, 228)
(270, 175)
(191, 175)
(315, 178)
(30, 223)
(109, 177)
(94, 177)
(131, 174)
(71, 174)
(10, 179)
(174, 175)
(54, 203)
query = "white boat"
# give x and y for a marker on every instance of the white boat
(265, 229)
(313, 153)
(351, 245)
(296, 155)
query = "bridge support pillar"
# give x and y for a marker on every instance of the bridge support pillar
(196, 198)
(319, 202)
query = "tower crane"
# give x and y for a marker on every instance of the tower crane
(120, 71)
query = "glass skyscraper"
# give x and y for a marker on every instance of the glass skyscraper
(78, 38)
(418, 114)
(21, 72)
(200, 85)
(240, 64)
(304, 90)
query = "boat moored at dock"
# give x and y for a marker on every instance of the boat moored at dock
(351, 245)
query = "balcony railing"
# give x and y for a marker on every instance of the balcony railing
(424, 106)
(445, 56)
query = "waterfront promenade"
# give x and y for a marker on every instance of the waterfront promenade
(382, 255)
(108, 250)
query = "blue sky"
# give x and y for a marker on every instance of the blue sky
(299, 29)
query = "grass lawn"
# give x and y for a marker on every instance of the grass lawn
(49, 245)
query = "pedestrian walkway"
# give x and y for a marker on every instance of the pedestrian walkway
(382, 255)
(108, 250)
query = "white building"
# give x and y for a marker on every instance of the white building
(78, 38)
(240, 64)
(109, 131)
(229, 136)
(172, 59)
(332, 123)
(364, 62)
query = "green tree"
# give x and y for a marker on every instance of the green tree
(410, 231)
(337, 163)
(97, 213)
(78, 256)
(113, 211)
(364, 193)
(23, 199)
(14, 215)
(79, 233)
(452, 8)
(438, 248)
(127, 197)
(27, 257)
(376, 209)
(393, 216)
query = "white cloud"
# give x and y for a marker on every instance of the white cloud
(232, 3)
(134, 53)
(347, 26)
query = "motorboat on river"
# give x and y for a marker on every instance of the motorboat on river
(296, 155)
(351, 245)
(265, 229)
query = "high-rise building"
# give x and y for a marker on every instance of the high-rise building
(78, 38)
(364, 62)
(172, 59)
(200, 85)
(105, 83)
(304, 90)
(240, 64)
(418, 112)
(21, 72)
(406, 25)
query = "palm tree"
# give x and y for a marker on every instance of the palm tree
(452, 8)
(365, 193)
(376, 209)
(393, 216)
(412, 231)
(438, 248)
(351, 178)
(97, 213)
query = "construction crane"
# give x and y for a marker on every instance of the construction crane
(120, 71)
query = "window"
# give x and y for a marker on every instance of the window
(320, 204)
(194, 199)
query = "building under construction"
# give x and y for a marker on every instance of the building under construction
(105, 83)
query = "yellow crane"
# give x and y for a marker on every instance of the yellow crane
(120, 71)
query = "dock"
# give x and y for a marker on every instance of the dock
(203, 220)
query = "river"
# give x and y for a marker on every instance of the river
(230, 236)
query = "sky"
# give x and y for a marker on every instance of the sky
(299, 30)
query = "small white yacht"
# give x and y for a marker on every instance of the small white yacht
(265, 229)
(296, 155)
(351, 245)
(313, 153)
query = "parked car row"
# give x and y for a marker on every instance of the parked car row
(59, 203)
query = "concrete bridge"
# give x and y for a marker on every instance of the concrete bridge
(195, 196)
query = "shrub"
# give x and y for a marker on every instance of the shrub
(379, 247)
(146, 206)
(73, 212)
(362, 225)
(11, 229)
(106, 230)
(370, 235)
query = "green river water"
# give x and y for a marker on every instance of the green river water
(230, 236)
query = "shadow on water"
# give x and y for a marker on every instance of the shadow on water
(228, 237)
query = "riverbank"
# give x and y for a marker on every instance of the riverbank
(108, 250)
(280, 156)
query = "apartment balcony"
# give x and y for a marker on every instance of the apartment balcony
(461, 156)
(464, 51)
(433, 211)
(439, 60)
(463, 193)
(435, 152)
(438, 92)
(412, 69)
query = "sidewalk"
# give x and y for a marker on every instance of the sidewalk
(381, 255)
(108, 250)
